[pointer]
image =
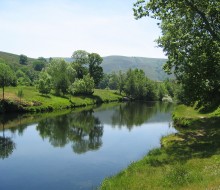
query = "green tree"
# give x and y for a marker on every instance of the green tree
(83, 86)
(80, 61)
(6, 77)
(121, 81)
(104, 83)
(22, 78)
(23, 60)
(113, 81)
(191, 40)
(38, 65)
(95, 70)
(62, 74)
(44, 84)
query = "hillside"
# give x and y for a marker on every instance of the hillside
(151, 66)
(13, 60)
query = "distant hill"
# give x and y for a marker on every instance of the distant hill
(13, 60)
(151, 66)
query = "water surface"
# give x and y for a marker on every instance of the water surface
(78, 149)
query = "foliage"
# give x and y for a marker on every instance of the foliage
(80, 60)
(135, 84)
(191, 40)
(44, 83)
(23, 60)
(62, 74)
(20, 94)
(6, 77)
(83, 86)
(39, 64)
(95, 70)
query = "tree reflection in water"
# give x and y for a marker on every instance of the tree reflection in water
(6, 146)
(136, 113)
(82, 130)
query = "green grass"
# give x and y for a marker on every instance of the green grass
(34, 101)
(189, 159)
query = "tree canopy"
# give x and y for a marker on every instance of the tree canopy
(6, 77)
(191, 40)
(23, 59)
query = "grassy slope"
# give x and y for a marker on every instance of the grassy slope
(189, 159)
(13, 60)
(34, 101)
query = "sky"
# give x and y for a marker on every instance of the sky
(57, 28)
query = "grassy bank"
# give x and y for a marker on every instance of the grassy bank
(189, 159)
(33, 101)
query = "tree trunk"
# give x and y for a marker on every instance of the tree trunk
(3, 89)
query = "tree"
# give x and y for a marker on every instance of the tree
(23, 59)
(62, 75)
(95, 70)
(44, 84)
(191, 40)
(83, 86)
(22, 78)
(80, 61)
(113, 81)
(104, 83)
(6, 77)
(121, 81)
(38, 65)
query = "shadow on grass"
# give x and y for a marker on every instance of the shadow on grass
(95, 98)
(200, 141)
(45, 96)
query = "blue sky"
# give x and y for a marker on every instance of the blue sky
(56, 28)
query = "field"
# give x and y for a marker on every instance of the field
(33, 101)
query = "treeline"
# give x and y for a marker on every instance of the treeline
(136, 85)
(81, 76)
(78, 77)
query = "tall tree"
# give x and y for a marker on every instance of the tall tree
(62, 75)
(80, 61)
(191, 40)
(95, 70)
(6, 77)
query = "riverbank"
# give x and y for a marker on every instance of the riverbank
(189, 159)
(33, 101)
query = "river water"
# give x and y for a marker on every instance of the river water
(77, 149)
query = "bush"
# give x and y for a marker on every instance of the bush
(83, 86)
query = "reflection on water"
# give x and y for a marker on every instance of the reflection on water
(6, 145)
(136, 113)
(79, 148)
(82, 129)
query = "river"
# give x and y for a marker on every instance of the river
(77, 149)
